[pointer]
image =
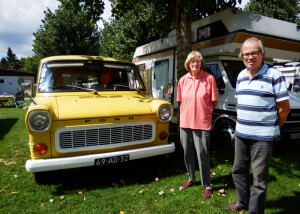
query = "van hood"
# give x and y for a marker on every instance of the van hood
(76, 107)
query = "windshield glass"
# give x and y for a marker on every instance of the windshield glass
(67, 76)
(296, 87)
(233, 68)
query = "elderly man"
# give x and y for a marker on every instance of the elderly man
(263, 105)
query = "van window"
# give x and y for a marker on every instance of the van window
(214, 69)
(82, 76)
(233, 68)
(297, 85)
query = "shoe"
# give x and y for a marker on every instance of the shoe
(207, 193)
(235, 207)
(186, 185)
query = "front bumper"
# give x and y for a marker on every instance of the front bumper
(89, 160)
(290, 130)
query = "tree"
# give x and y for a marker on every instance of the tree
(91, 9)
(287, 10)
(66, 31)
(178, 14)
(31, 64)
(10, 61)
(135, 27)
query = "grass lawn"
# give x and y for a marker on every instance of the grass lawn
(146, 186)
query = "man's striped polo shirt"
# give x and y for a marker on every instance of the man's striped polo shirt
(256, 104)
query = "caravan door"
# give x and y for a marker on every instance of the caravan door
(158, 73)
(162, 75)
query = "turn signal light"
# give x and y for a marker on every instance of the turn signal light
(163, 135)
(41, 149)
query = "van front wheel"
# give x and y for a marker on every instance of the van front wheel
(224, 132)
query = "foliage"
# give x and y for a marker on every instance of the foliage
(66, 32)
(31, 64)
(133, 187)
(287, 10)
(10, 61)
(174, 14)
(141, 21)
(91, 9)
(137, 26)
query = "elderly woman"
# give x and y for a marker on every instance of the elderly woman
(197, 96)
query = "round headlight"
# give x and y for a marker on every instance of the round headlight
(39, 120)
(165, 112)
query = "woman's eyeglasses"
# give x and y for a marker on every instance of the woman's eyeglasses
(195, 62)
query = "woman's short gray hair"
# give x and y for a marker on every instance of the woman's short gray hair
(248, 41)
(190, 57)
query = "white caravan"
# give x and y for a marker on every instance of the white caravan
(291, 72)
(219, 37)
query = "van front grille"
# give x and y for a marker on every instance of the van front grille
(97, 137)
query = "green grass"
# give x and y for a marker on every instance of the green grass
(131, 187)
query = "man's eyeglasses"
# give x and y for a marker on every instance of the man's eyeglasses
(253, 53)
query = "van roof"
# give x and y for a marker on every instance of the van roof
(81, 57)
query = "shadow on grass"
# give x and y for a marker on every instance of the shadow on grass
(6, 125)
(287, 204)
(286, 158)
(144, 171)
(141, 171)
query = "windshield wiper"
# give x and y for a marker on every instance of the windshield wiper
(86, 89)
(126, 86)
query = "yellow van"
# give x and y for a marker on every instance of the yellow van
(93, 111)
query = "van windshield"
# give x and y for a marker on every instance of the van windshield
(69, 76)
(233, 68)
(296, 85)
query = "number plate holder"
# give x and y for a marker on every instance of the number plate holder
(111, 160)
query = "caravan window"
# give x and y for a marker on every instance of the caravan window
(211, 31)
(214, 69)
(233, 68)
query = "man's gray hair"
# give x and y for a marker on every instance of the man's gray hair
(248, 41)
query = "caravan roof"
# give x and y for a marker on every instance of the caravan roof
(222, 34)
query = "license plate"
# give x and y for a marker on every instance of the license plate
(111, 160)
(295, 136)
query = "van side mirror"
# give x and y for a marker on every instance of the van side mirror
(168, 90)
(25, 86)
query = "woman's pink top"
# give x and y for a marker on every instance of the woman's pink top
(196, 95)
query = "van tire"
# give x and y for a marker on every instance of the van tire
(224, 132)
